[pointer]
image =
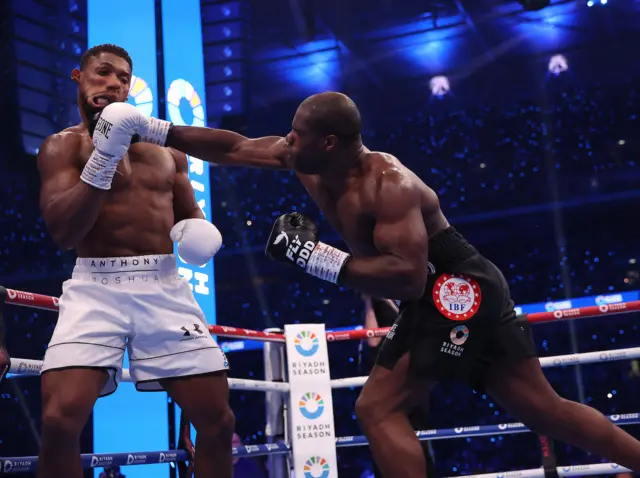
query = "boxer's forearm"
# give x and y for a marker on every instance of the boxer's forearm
(384, 276)
(192, 214)
(71, 215)
(227, 148)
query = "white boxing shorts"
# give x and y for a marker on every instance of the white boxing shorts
(138, 303)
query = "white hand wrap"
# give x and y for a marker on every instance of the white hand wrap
(99, 170)
(155, 131)
(326, 262)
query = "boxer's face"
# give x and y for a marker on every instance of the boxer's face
(105, 79)
(309, 149)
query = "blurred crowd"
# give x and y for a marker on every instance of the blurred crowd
(547, 190)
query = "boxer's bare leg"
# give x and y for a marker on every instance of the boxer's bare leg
(204, 399)
(68, 397)
(522, 389)
(382, 409)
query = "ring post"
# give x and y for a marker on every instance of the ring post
(276, 404)
(549, 462)
(5, 361)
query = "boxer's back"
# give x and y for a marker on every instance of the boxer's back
(351, 207)
(137, 213)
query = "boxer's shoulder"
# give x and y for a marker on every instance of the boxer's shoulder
(381, 169)
(385, 170)
(65, 145)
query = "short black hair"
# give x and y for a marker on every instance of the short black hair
(105, 48)
(333, 113)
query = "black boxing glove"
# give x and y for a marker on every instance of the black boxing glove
(294, 240)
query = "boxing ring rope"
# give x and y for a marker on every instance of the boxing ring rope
(275, 387)
(27, 367)
(46, 302)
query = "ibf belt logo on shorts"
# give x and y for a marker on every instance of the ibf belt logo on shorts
(316, 467)
(306, 343)
(311, 406)
(193, 333)
(457, 296)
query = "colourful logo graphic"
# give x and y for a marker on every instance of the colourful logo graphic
(316, 467)
(459, 334)
(306, 343)
(181, 95)
(457, 296)
(311, 405)
(140, 95)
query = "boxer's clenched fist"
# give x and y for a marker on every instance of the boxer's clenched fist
(294, 240)
(111, 131)
(198, 240)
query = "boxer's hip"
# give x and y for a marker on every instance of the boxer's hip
(465, 316)
(448, 249)
(125, 272)
(126, 288)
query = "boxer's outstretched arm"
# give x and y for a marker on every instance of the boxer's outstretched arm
(228, 148)
(400, 236)
(68, 205)
(184, 200)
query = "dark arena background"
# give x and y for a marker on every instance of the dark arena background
(522, 116)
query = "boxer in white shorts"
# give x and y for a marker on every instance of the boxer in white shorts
(136, 303)
(122, 206)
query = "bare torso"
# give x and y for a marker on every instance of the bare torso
(138, 212)
(351, 209)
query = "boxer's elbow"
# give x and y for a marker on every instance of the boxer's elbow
(64, 236)
(63, 239)
(414, 289)
(412, 281)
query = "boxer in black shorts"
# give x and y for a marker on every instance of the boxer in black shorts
(456, 324)
(464, 322)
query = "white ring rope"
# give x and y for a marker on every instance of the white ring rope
(26, 367)
(32, 367)
(573, 470)
(545, 362)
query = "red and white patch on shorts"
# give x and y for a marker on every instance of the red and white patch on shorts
(457, 296)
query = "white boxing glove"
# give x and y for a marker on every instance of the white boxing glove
(198, 240)
(111, 131)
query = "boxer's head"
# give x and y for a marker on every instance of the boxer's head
(104, 77)
(324, 127)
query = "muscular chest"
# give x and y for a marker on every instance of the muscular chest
(348, 214)
(145, 166)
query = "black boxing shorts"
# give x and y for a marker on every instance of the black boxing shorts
(464, 322)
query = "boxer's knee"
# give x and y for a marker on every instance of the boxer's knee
(215, 423)
(367, 410)
(543, 416)
(62, 419)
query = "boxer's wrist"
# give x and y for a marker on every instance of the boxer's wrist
(156, 131)
(326, 262)
(99, 170)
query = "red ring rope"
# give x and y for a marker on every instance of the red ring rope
(46, 302)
